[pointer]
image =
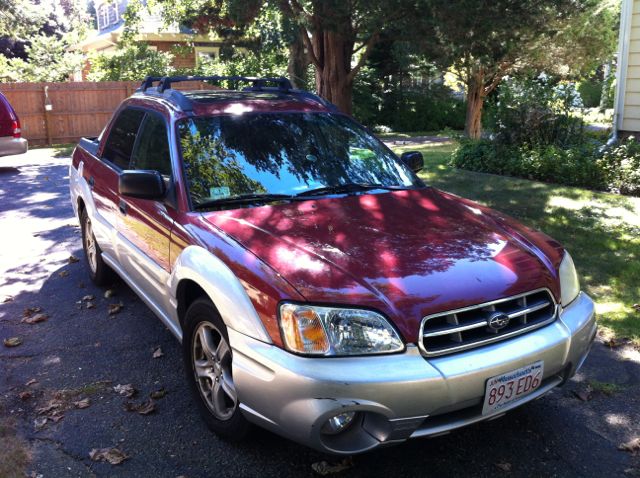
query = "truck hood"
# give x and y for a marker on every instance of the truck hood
(406, 253)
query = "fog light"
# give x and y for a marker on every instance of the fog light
(338, 424)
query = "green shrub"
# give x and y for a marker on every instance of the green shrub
(588, 165)
(590, 91)
(621, 164)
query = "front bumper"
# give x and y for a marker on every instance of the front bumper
(399, 396)
(10, 145)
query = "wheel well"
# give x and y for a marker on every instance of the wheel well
(188, 292)
(80, 206)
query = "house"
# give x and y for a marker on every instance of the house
(152, 30)
(626, 119)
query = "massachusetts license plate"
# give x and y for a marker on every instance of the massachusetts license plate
(507, 388)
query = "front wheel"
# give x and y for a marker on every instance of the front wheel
(208, 363)
(101, 274)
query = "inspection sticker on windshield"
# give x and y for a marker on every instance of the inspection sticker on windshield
(219, 193)
(507, 388)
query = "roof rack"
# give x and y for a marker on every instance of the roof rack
(276, 85)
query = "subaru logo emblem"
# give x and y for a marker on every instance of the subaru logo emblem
(498, 321)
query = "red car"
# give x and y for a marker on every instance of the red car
(11, 140)
(319, 288)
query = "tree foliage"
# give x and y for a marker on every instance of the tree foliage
(130, 63)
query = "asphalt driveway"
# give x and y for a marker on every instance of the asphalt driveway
(79, 351)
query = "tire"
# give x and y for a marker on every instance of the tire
(208, 365)
(101, 274)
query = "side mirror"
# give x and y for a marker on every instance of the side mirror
(413, 159)
(141, 184)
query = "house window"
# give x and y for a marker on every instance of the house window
(107, 15)
(206, 53)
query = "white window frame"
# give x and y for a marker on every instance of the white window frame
(206, 50)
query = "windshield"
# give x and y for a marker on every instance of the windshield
(283, 154)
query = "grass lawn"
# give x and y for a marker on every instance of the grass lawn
(602, 231)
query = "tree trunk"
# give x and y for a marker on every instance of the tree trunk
(334, 52)
(475, 102)
(298, 63)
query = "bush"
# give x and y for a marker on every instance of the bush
(590, 91)
(130, 63)
(621, 164)
(616, 169)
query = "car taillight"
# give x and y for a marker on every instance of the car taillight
(15, 128)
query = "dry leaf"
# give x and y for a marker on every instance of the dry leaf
(618, 342)
(7, 298)
(29, 311)
(504, 466)
(31, 382)
(325, 468)
(63, 273)
(40, 422)
(73, 259)
(157, 353)
(12, 342)
(90, 305)
(632, 446)
(25, 395)
(56, 417)
(145, 408)
(584, 394)
(88, 297)
(84, 403)
(115, 308)
(113, 456)
(157, 394)
(125, 390)
(109, 293)
(34, 319)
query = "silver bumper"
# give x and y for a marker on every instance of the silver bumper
(399, 396)
(10, 145)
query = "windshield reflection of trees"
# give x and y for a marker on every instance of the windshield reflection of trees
(240, 152)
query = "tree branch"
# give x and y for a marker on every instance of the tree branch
(373, 39)
(497, 78)
(309, 45)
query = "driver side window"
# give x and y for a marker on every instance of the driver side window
(151, 151)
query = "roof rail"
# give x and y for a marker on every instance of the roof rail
(282, 83)
(276, 85)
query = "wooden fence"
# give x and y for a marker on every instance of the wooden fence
(77, 108)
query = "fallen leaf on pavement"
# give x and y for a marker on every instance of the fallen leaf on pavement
(7, 298)
(31, 382)
(126, 390)
(84, 403)
(325, 468)
(504, 466)
(113, 456)
(109, 293)
(88, 297)
(90, 305)
(115, 308)
(157, 394)
(34, 319)
(63, 273)
(29, 311)
(73, 259)
(12, 342)
(25, 395)
(144, 408)
(157, 353)
(585, 393)
(40, 422)
(618, 342)
(631, 446)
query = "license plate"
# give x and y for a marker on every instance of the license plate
(504, 389)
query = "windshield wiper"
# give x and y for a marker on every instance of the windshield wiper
(349, 188)
(243, 199)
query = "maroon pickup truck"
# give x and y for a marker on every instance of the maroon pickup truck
(318, 286)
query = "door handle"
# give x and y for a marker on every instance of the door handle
(91, 182)
(123, 207)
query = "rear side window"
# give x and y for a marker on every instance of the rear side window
(122, 137)
(152, 149)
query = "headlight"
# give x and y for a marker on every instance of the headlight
(317, 330)
(569, 283)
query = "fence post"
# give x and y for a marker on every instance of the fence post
(46, 103)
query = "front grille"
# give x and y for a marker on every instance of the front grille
(462, 329)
